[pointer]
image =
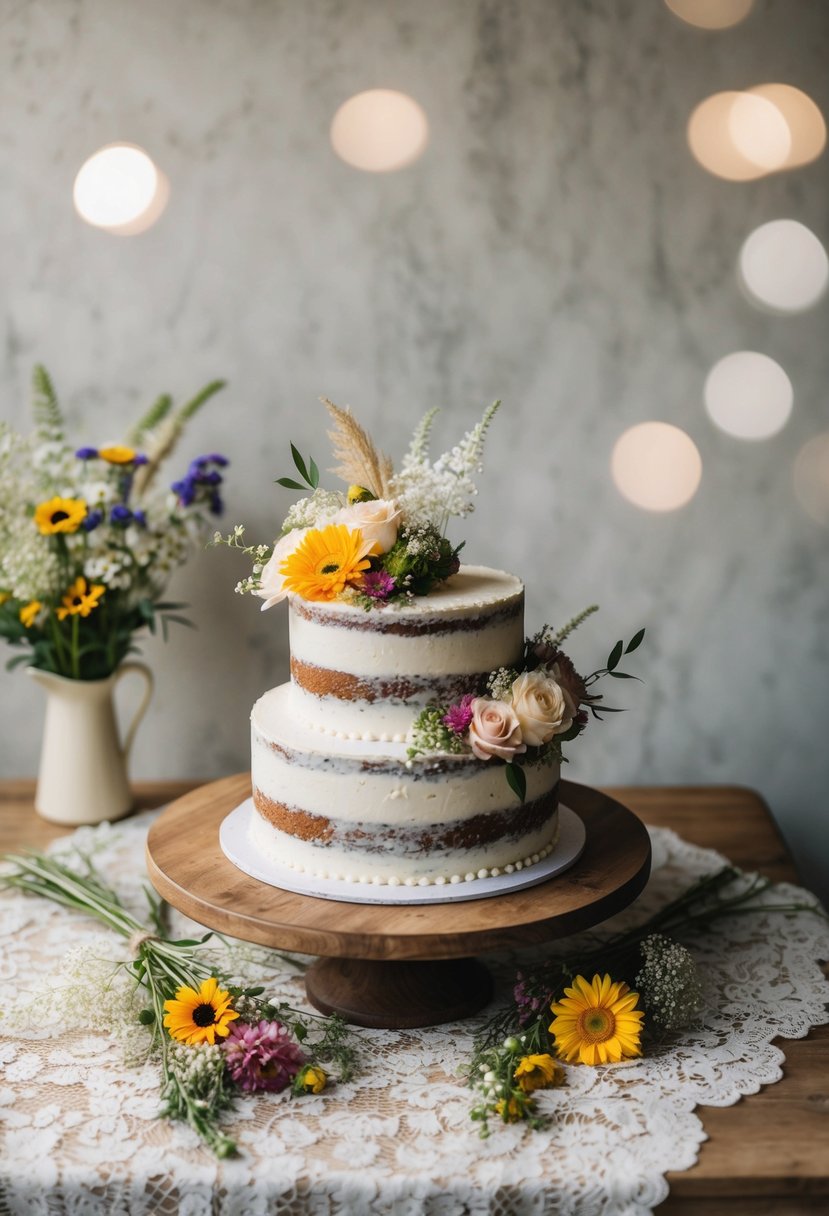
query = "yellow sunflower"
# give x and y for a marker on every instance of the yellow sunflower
(29, 612)
(325, 561)
(60, 515)
(80, 599)
(597, 1022)
(117, 453)
(197, 1017)
(538, 1072)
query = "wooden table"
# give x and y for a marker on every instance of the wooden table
(768, 1154)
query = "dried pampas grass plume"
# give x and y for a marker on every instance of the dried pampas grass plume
(360, 462)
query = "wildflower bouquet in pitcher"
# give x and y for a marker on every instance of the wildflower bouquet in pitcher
(88, 540)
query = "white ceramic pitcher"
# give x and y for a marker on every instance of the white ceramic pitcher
(83, 764)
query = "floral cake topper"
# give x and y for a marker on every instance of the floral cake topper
(381, 540)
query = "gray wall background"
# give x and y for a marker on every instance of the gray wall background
(556, 246)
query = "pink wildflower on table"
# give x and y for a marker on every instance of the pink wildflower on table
(458, 716)
(263, 1056)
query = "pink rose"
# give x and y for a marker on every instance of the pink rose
(541, 706)
(272, 588)
(494, 730)
(378, 520)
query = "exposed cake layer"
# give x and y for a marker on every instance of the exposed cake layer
(359, 809)
(366, 675)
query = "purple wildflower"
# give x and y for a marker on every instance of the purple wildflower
(139, 518)
(87, 453)
(262, 1057)
(140, 458)
(91, 521)
(186, 491)
(458, 716)
(528, 1003)
(378, 584)
(120, 515)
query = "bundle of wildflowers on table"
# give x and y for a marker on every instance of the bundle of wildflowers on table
(633, 992)
(215, 1038)
(88, 539)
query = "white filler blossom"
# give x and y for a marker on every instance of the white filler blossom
(669, 983)
(431, 492)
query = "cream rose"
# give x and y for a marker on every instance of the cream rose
(272, 588)
(494, 730)
(541, 707)
(378, 520)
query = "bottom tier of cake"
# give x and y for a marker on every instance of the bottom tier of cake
(367, 814)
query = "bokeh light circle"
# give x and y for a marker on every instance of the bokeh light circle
(656, 466)
(759, 131)
(711, 14)
(807, 128)
(748, 395)
(120, 190)
(379, 131)
(711, 141)
(784, 266)
(811, 478)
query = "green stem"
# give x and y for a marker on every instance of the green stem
(76, 665)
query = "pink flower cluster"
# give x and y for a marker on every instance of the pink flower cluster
(262, 1057)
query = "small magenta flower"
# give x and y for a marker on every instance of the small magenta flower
(378, 584)
(458, 716)
(262, 1057)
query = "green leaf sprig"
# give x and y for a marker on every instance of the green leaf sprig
(309, 473)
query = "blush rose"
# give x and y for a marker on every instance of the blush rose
(494, 730)
(378, 520)
(541, 707)
(272, 588)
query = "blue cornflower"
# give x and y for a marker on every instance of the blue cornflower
(186, 490)
(91, 521)
(87, 453)
(120, 515)
(139, 518)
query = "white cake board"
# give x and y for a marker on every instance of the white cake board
(238, 848)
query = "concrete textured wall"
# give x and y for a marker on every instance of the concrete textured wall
(556, 246)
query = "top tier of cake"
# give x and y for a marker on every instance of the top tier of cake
(361, 674)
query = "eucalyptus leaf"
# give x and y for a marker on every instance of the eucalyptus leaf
(314, 479)
(300, 463)
(635, 642)
(517, 780)
(615, 655)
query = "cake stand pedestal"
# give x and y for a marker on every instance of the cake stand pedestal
(393, 966)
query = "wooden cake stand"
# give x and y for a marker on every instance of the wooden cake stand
(399, 965)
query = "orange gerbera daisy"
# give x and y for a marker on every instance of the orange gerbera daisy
(198, 1017)
(59, 515)
(597, 1022)
(80, 599)
(325, 562)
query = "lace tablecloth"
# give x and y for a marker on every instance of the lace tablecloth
(81, 1133)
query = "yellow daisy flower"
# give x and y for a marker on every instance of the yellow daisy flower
(5, 596)
(29, 611)
(60, 515)
(80, 599)
(197, 1017)
(117, 453)
(325, 561)
(538, 1072)
(597, 1022)
(314, 1079)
